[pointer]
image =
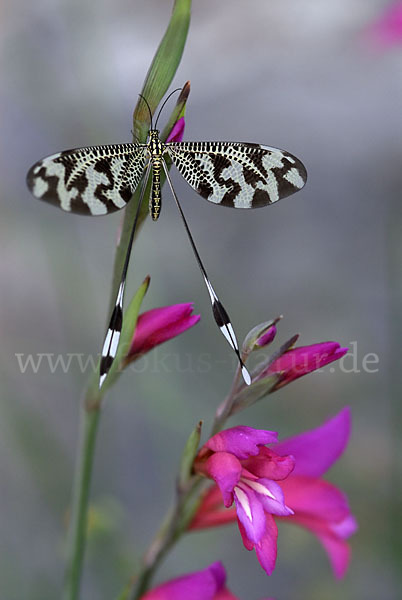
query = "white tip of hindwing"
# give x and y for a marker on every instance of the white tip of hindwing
(246, 375)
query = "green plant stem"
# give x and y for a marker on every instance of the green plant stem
(79, 510)
(224, 409)
(174, 525)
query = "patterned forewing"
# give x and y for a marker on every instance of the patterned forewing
(237, 174)
(96, 180)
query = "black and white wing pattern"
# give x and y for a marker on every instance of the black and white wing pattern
(94, 181)
(237, 174)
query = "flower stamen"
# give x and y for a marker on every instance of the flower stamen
(259, 488)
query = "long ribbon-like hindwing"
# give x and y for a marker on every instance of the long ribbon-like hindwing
(112, 338)
(113, 333)
(220, 315)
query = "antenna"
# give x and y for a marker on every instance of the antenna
(149, 109)
(166, 99)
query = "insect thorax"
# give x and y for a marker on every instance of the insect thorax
(155, 147)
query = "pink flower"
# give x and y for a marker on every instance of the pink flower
(208, 584)
(310, 501)
(246, 473)
(176, 134)
(386, 31)
(302, 360)
(159, 325)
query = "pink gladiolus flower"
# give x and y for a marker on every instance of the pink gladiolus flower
(313, 503)
(299, 361)
(208, 584)
(176, 135)
(387, 30)
(159, 325)
(246, 473)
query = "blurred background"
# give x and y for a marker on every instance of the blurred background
(302, 75)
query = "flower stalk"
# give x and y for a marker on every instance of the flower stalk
(175, 524)
(79, 512)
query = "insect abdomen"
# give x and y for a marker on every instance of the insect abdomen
(155, 200)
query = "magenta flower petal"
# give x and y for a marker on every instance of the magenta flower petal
(200, 585)
(338, 552)
(345, 528)
(323, 509)
(241, 441)
(335, 545)
(176, 134)
(225, 469)
(271, 497)
(159, 325)
(320, 499)
(246, 542)
(217, 570)
(316, 450)
(266, 549)
(212, 512)
(270, 465)
(250, 512)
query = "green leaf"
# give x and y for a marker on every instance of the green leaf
(188, 456)
(163, 67)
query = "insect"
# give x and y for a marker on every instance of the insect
(99, 180)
